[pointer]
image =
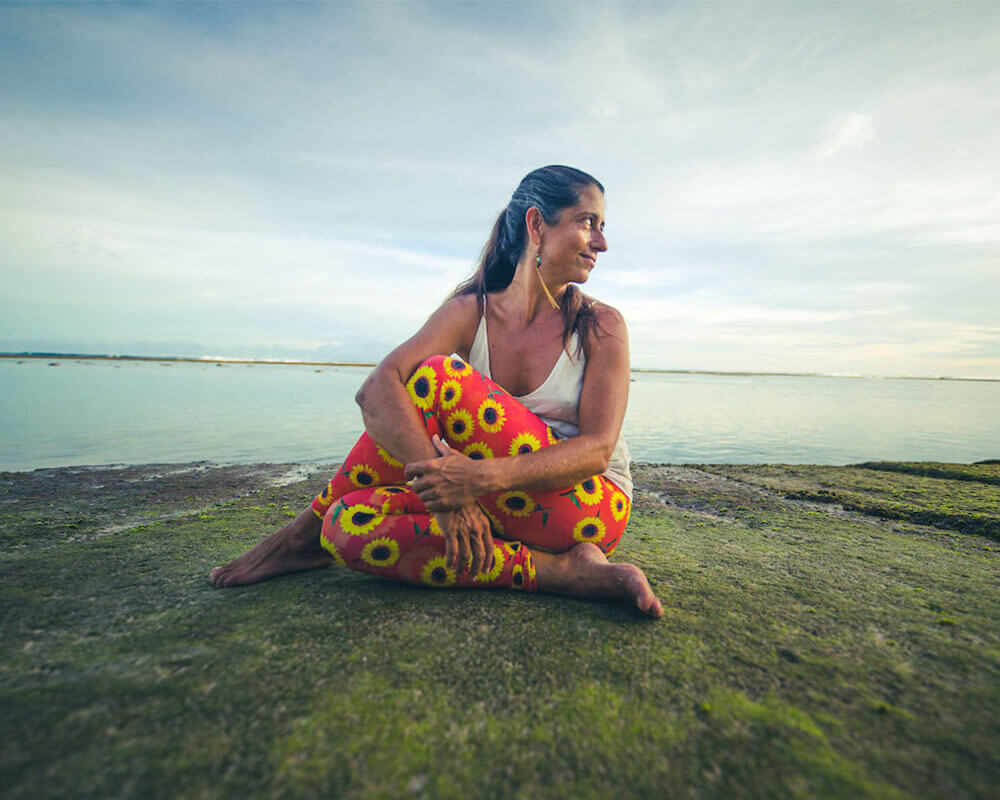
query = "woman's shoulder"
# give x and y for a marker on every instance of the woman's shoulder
(608, 317)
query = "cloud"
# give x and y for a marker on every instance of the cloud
(785, 183)
(854, 130)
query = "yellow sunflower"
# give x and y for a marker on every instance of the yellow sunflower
(456, 367)
(478, 450)
(512, 547)
(619, 506)
(388, 459)
(517, 504)
(494, 571)
(589, 491)
(491, 415)
(451, 393)
(381, 552)
(524, 443)
(332, 550)
(551, 436)
(436, 573)
(359, 520)
(434, 529)
(589, 529)
(517, 576)
(363, 476)
(423, 388)
(459, 426)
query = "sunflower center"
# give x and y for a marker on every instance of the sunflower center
(475, 455)
(589, 485)
(381, 553)
(364, 478)
(490, 415)
(449, 393)
(516, 503)
(524, 448)
(589, 530)
(439, 575)
(362, 518)
(458, 426)
(457, 365)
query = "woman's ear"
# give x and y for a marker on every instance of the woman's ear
(533, 222)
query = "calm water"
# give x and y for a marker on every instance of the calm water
(101, 412)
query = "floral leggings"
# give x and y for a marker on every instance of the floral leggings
(374, 522)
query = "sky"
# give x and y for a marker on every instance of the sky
(800, 187)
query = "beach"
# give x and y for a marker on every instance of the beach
(829, 631)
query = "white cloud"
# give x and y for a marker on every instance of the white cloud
(854, 130)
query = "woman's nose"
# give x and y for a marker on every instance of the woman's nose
(598, 242)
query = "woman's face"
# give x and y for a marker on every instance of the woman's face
(569, 248)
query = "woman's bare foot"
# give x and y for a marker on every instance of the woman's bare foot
(584, 571)
(294, 548)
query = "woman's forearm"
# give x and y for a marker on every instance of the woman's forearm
(391, 419)
(571, 461)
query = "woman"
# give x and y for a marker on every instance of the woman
(515, 473)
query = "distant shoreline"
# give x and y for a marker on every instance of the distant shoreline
(293, 363)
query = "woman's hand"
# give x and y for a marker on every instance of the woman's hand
(447, 483)
(467, 533)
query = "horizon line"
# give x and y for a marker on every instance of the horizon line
(301, 363)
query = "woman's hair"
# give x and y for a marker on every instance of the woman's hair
(549, 189)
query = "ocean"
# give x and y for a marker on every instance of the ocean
(89, 412)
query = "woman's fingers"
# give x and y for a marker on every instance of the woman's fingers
(440, 445)
(478, 553)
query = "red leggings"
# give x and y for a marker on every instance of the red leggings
(374, 523)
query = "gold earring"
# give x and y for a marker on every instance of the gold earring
(538, 271)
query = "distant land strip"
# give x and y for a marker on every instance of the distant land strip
(292, 363)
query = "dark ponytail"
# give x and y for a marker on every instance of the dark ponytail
(549, 189)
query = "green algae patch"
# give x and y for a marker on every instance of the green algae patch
(928, 497)
(804, 652)
(980, 472)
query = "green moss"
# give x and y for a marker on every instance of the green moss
(801, 655)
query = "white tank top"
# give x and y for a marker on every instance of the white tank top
(557, 400)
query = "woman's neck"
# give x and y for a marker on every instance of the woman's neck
(526, 296)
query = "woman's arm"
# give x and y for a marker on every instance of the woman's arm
(389, 415)
(393, 422)
(452, 480)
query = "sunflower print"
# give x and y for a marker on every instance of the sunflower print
(456, 367)
(589, 529)
(524, 443)
(436, 573)
(550, 435)
(589, 491)
(478, 451)
(451, 393)
(491, 415)
(517, 504)
(619, 506)
(332, 550)
(434, 529)
(517, 576)
(360, 519)
(388, 459)
(512, 547)
(363, 476)
(459, 426)
(496, 568)
(423, 388)
(381, 552)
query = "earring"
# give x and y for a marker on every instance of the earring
(538, 272)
